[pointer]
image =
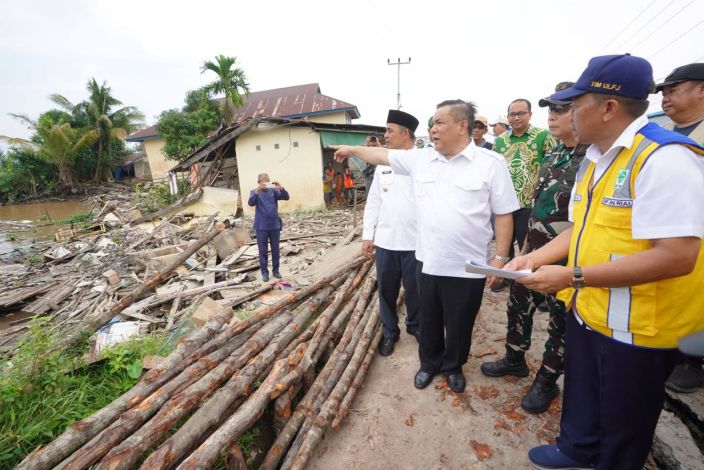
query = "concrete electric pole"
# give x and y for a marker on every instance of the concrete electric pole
(398, 65)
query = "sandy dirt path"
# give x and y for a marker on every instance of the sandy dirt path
(394, 426)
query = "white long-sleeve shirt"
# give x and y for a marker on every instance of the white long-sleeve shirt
(455, 199)
(390, 212)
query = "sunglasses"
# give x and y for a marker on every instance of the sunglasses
(479, 125)
(559, 108)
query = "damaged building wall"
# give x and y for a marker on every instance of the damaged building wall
(288, 154)
(158, 164)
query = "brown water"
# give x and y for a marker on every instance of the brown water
(21, 224)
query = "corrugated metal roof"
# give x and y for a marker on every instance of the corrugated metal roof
(288, 102)
(293, 101)
(139, 136)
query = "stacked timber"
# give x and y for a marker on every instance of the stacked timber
(302, 359)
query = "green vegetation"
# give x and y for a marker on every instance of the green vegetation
(246, 440)
(43, 391)
(98, 118)
(186, 130)
(80, 219)
(68, 145)
(157, 196)
(231, 81)
(23, 174)
(76, 143)
(36, 258)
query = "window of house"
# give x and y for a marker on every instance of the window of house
(276, 146)
(295, 144)
(259, 147)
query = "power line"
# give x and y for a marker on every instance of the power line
(623, 30)
(646, 24)
(677, 39)
(660, 27)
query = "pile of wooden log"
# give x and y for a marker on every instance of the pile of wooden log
(302, 359)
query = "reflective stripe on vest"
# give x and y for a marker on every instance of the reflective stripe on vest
(654, 314)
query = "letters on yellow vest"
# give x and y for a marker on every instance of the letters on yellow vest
(652, 315)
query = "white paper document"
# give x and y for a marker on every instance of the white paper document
(476, 267)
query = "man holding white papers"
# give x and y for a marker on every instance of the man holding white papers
(457, 186)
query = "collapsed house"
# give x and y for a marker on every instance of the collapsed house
(283, 131)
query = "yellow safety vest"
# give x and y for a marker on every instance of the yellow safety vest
(655, 314)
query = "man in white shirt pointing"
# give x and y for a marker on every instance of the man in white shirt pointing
(457, 186)
(390, 225)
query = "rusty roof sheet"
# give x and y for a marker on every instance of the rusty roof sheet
(288, 102)
(291, 102)
(140, 136)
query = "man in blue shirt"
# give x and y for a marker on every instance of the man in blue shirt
(267, 222)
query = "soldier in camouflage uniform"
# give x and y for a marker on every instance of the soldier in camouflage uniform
(548, 217)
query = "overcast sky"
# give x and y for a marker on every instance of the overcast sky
(150, 52)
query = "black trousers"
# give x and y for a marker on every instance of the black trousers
(520, 229)
(448, 307)
(612, 399)
(392, 267)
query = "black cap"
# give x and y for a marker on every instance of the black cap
(402, 119)
(548, 100)
(683, 74)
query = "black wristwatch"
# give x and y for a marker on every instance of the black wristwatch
(578, 278)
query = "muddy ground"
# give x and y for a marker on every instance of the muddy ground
(395, 426)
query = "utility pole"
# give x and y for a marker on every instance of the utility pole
(398, 65)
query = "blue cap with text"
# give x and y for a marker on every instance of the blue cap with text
(621, 75)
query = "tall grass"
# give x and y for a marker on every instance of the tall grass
(42, 392)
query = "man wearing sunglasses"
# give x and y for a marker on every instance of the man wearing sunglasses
(524, 148)
(479, 130)
(548, 217)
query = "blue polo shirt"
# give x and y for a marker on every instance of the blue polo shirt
(266, 214)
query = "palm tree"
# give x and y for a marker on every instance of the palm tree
(231, 81)
(54, 141)
(97, 115)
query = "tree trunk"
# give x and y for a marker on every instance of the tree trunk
(245, 416)
(358, 379)
(188, 351)
(212, 411)
(306, 405)
(99, 163)
(313, 437)
(339, 361)
(128, 452)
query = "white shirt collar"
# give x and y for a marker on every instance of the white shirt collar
(625, 140)
(467, 152)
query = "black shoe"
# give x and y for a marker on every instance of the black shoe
(501, 286)
(265, 277)
(386, 346)
(540, 395)
(544, 307)
(277, 275)
(422, 379)
(457, 382)
(686, 378)
(414, 332)
(506, 366)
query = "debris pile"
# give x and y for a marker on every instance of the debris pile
(302, 358)
(153, 271)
